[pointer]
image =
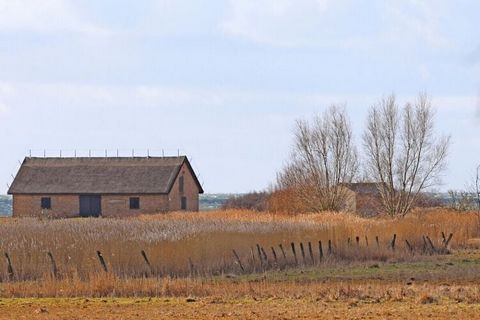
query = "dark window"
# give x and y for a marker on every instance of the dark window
(180, 184)
(135, 203)
(184, 203)
(46, 203)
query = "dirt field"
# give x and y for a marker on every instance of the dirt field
(217, 308)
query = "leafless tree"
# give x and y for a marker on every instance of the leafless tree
(323, 157)
(402, 151)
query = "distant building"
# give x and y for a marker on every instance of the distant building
(93, 187)
(364, 198)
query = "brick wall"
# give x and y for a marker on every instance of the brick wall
(118, 205)
(190, 191)
(64, 206)
(30, 206)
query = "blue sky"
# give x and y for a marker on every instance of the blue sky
(223, 81)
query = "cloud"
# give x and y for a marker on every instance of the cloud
(44, 16)
(417, 19)
(277, 22)
(340, 23)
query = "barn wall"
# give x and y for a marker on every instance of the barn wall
(190, 191)
(30, 206)
(118, 205)
(66, 206)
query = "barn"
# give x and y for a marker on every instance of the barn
(110, 186)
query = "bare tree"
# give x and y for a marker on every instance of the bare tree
(323, 157)
(403, 154)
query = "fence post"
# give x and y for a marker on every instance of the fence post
(238, 260)
(144, 255)
(274, 256)
(102, 261)
(10, 272)
(54, 265)
(392, 244)
(283, 253)
(259, 253)
(431, 244)
(320, 250)
(254, 262)
(448, 239)
(265, 257)
(303, 253)
(310, 251)
(192, 269)
(294, 253)
(424, 244)
(409, 245)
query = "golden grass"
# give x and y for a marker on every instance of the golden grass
(180, 244)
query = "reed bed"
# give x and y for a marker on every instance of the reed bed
(202, 244)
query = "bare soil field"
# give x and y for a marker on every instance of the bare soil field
(214, 308)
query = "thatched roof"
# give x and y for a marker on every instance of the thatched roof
(364, 187)
(133, 175)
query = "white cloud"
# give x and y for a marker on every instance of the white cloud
(277, 22)
(44, 16)
(338, 23)
(416, 20)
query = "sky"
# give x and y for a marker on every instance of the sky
(224, 81)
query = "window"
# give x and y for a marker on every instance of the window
(46, 203)
(135, 203)
(180, 184)
(184, 203)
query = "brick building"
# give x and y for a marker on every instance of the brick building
(363, 198)
(71, 187)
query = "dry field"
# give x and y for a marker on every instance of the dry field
(186, 244)
(193, 273)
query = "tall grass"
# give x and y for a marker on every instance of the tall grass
(182, 244)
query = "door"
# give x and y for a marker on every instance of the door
(90, 205)
(183, 204)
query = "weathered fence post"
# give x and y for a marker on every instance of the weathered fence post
(192, 268)
(448, 239)
(54, 265)
(424, 244)
(320, 250)
(265, 257)
(303, 253)
(145, 258)
(294, 253)
(102, 261)
(238, 260)
(10, 272)
(274, 256)
(409, 245)
(431, 244)
(310, 251)
(259, 252)
(283, 253)
(392, 244)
